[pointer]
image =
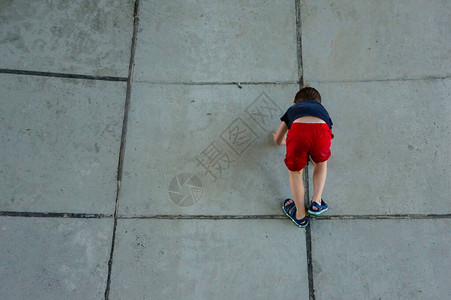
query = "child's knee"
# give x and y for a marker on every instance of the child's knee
(322, 164)
(296, 172)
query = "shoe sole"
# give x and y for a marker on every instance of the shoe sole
(289, 217)
(316, 213)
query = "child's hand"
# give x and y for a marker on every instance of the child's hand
(281, 135)
(284, 140)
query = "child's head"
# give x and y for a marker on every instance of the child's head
(307, 93)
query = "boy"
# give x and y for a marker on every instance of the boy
(309, 135)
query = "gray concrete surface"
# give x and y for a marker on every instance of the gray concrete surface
(204, 41)
(391, 147)
(56, 258)
(402, 259)
(60, 142)
(362, 40)
(79, 37)
(209, 259)
(161, 121)
(197, 211)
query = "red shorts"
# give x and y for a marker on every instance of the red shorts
(304, 139)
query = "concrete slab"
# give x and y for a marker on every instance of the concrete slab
(43, 258)
(375, 40)
(209, 149)
(209, 259)
(91, 38)
(382, 259)
(216, 41)
(391, 149)
(59, 144)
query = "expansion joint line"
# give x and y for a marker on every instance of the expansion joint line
(322, 218)
(123, 141)
(27, 214)
(61, 75)
(308, 236)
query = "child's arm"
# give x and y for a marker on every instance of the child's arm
(280, 135)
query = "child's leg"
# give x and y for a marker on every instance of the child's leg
(297, 189)
(319, 179)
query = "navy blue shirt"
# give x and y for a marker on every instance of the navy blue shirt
(306, 108)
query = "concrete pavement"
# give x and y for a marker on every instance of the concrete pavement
(137, 159)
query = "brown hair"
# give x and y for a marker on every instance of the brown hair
(307, 93)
